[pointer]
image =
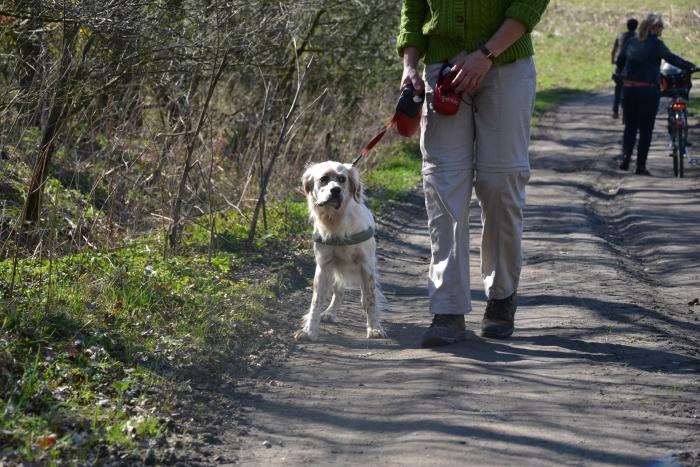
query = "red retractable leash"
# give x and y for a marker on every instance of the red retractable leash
(407, 115)
(406, 118)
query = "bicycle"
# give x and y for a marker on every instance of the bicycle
(676, 84)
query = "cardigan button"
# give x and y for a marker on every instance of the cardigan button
(460, 19)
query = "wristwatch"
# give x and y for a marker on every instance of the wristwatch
(487, 52)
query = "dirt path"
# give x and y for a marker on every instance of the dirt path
(604, 367)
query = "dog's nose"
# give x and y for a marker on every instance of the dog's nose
(335, 191)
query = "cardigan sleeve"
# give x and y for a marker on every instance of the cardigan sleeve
(528, 12)
(411, 28)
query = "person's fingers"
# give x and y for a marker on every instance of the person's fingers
(477, 83)
(412, 77)
(419, 87)
(459, 78)
(418, 84)
(408, 77)
(470, 83)
(466, 85)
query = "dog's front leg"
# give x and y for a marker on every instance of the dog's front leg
(329, 315)
(321, 291)
(370, 302)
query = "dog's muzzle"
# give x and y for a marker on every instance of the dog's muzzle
(335, 199)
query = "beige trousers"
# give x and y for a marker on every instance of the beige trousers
(485, 146)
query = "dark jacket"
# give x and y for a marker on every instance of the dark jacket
(620, 42)
(641, 60)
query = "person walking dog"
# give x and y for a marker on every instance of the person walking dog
(640, 62)
(619, 43)
(479, 82)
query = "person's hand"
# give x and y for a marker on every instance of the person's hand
(411, 76)
(410, 70)
(471, 72)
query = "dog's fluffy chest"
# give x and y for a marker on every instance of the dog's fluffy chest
(345, 256)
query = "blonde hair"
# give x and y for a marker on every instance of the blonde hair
(652, 20)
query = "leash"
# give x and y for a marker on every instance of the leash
(378, 137)
(406, 118)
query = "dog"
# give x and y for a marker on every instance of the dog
(344, 246)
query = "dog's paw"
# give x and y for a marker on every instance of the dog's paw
(376, 333)
(329, 318)
(303, 335)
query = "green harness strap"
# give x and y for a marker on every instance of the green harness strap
(353, 239)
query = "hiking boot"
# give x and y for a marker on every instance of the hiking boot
(642, 172)
(499, 317)
(444, 330)
(625, 164)
(615, 115)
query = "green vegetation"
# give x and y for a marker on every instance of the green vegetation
(397, 169)
(574, 40)
(94, 345)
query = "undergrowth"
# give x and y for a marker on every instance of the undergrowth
(96, 346)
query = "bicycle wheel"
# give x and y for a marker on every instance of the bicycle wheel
(681, 151)
(677, 156)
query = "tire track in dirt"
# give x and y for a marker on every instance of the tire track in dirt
(618, 205)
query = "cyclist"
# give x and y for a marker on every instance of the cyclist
(640, 62)
(619, 43)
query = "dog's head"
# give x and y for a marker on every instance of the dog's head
(331, 184)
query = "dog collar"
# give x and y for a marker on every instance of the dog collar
(353, 239)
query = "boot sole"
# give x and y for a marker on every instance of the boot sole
(441, 341)
(497, 335)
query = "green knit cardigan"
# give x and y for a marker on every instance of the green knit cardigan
(442, 28)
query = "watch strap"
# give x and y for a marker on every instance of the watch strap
(487, 52)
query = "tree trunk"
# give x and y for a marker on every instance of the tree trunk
(191, 138)
(57, 115)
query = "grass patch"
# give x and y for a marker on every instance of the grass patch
(397, 170)
(93, 345)
(575, 37)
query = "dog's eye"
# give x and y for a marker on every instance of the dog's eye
(341, 178)
(325, 179)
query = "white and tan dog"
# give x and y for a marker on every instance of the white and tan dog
(344, 246)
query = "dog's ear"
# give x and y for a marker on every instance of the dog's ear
(354, 183)
(307, 181)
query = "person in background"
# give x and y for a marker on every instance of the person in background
(483, 145)
(640, 62)
(620, 42)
